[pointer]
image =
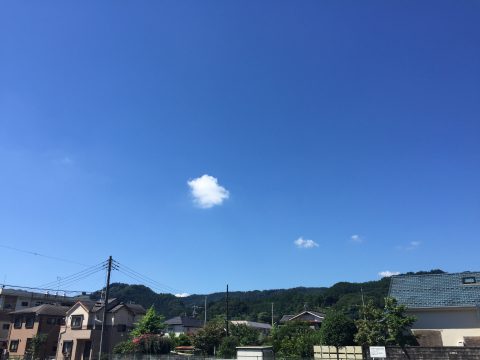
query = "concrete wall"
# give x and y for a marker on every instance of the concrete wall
(429, 353)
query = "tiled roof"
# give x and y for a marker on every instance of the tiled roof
(437, 290)
(45, 309)
(185, 321)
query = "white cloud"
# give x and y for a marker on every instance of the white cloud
(305, 243)
(207, 192)
(181, 295)
(412, 245)
(356, 239)
(388, 273)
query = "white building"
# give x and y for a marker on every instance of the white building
(446, 306)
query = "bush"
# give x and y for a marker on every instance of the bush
(153, 344)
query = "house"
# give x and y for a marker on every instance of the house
(14, 299)
(183, 325)
(79, 338)
(263, 328)
(314, 318)
(28, 323)
(446, 307)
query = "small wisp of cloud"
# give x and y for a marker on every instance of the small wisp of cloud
(388, 273)
(182, 295)
(357, 239)
(412, 245)
(207, 192)
(305, 243)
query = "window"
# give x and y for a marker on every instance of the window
(469, 280)
(25, 303)
(67, 347)
(51, 321)
(29, 322)
(6, 326)
(121, 328)
(17, 324)
(13, 345)
(77, 322)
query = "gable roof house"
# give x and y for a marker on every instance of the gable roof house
(263, 328)
(314, 318)
(446, 307)
(80, 336)
(14, 299)
(27, 323)
(183, 325)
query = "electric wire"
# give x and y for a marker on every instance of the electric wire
(75, 277)
(44, 289)
(42, 255)
(146, 278)
(151, 286)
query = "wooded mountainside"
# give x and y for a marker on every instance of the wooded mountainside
(256, 305)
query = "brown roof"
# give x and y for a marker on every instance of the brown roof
(44, 309)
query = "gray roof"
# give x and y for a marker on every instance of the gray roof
(252, 324)
(436, 290)
(185, 321)
(44, 309)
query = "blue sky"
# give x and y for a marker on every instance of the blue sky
(340, 139)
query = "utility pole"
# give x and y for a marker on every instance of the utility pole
(107, 293)
(205, 321)
(363, 304)
(228, 333)
(272, 314)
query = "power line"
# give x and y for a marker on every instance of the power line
(145, 278)
(77, 276)
(41, 255)
(44, 289)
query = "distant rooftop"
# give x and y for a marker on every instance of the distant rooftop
(253, 324)
(44, 309)
(437, 290)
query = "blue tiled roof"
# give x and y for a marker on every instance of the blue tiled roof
(436, 290)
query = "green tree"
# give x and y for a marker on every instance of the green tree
(209, 338)
(36, 346)
(387, 326)
(151, 323)
(228, 347)
(294, 339)
(245, 335)
(337, 330)
(126, 347)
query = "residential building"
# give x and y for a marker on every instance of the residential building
(14, 299)
(263, 328)
(183, 325)
(79, 338)
(26, 324)
(446, 307)
(314, 318)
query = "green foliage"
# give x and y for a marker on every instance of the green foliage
(337, 330)
(294, 339)
(153, 344)
(151, 323)
(387, 326)
(36, 346)
(227, 348)
(126, 347)
(183, 340)
(246, 336)
(209, 338)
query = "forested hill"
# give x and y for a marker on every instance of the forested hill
(256, 305)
